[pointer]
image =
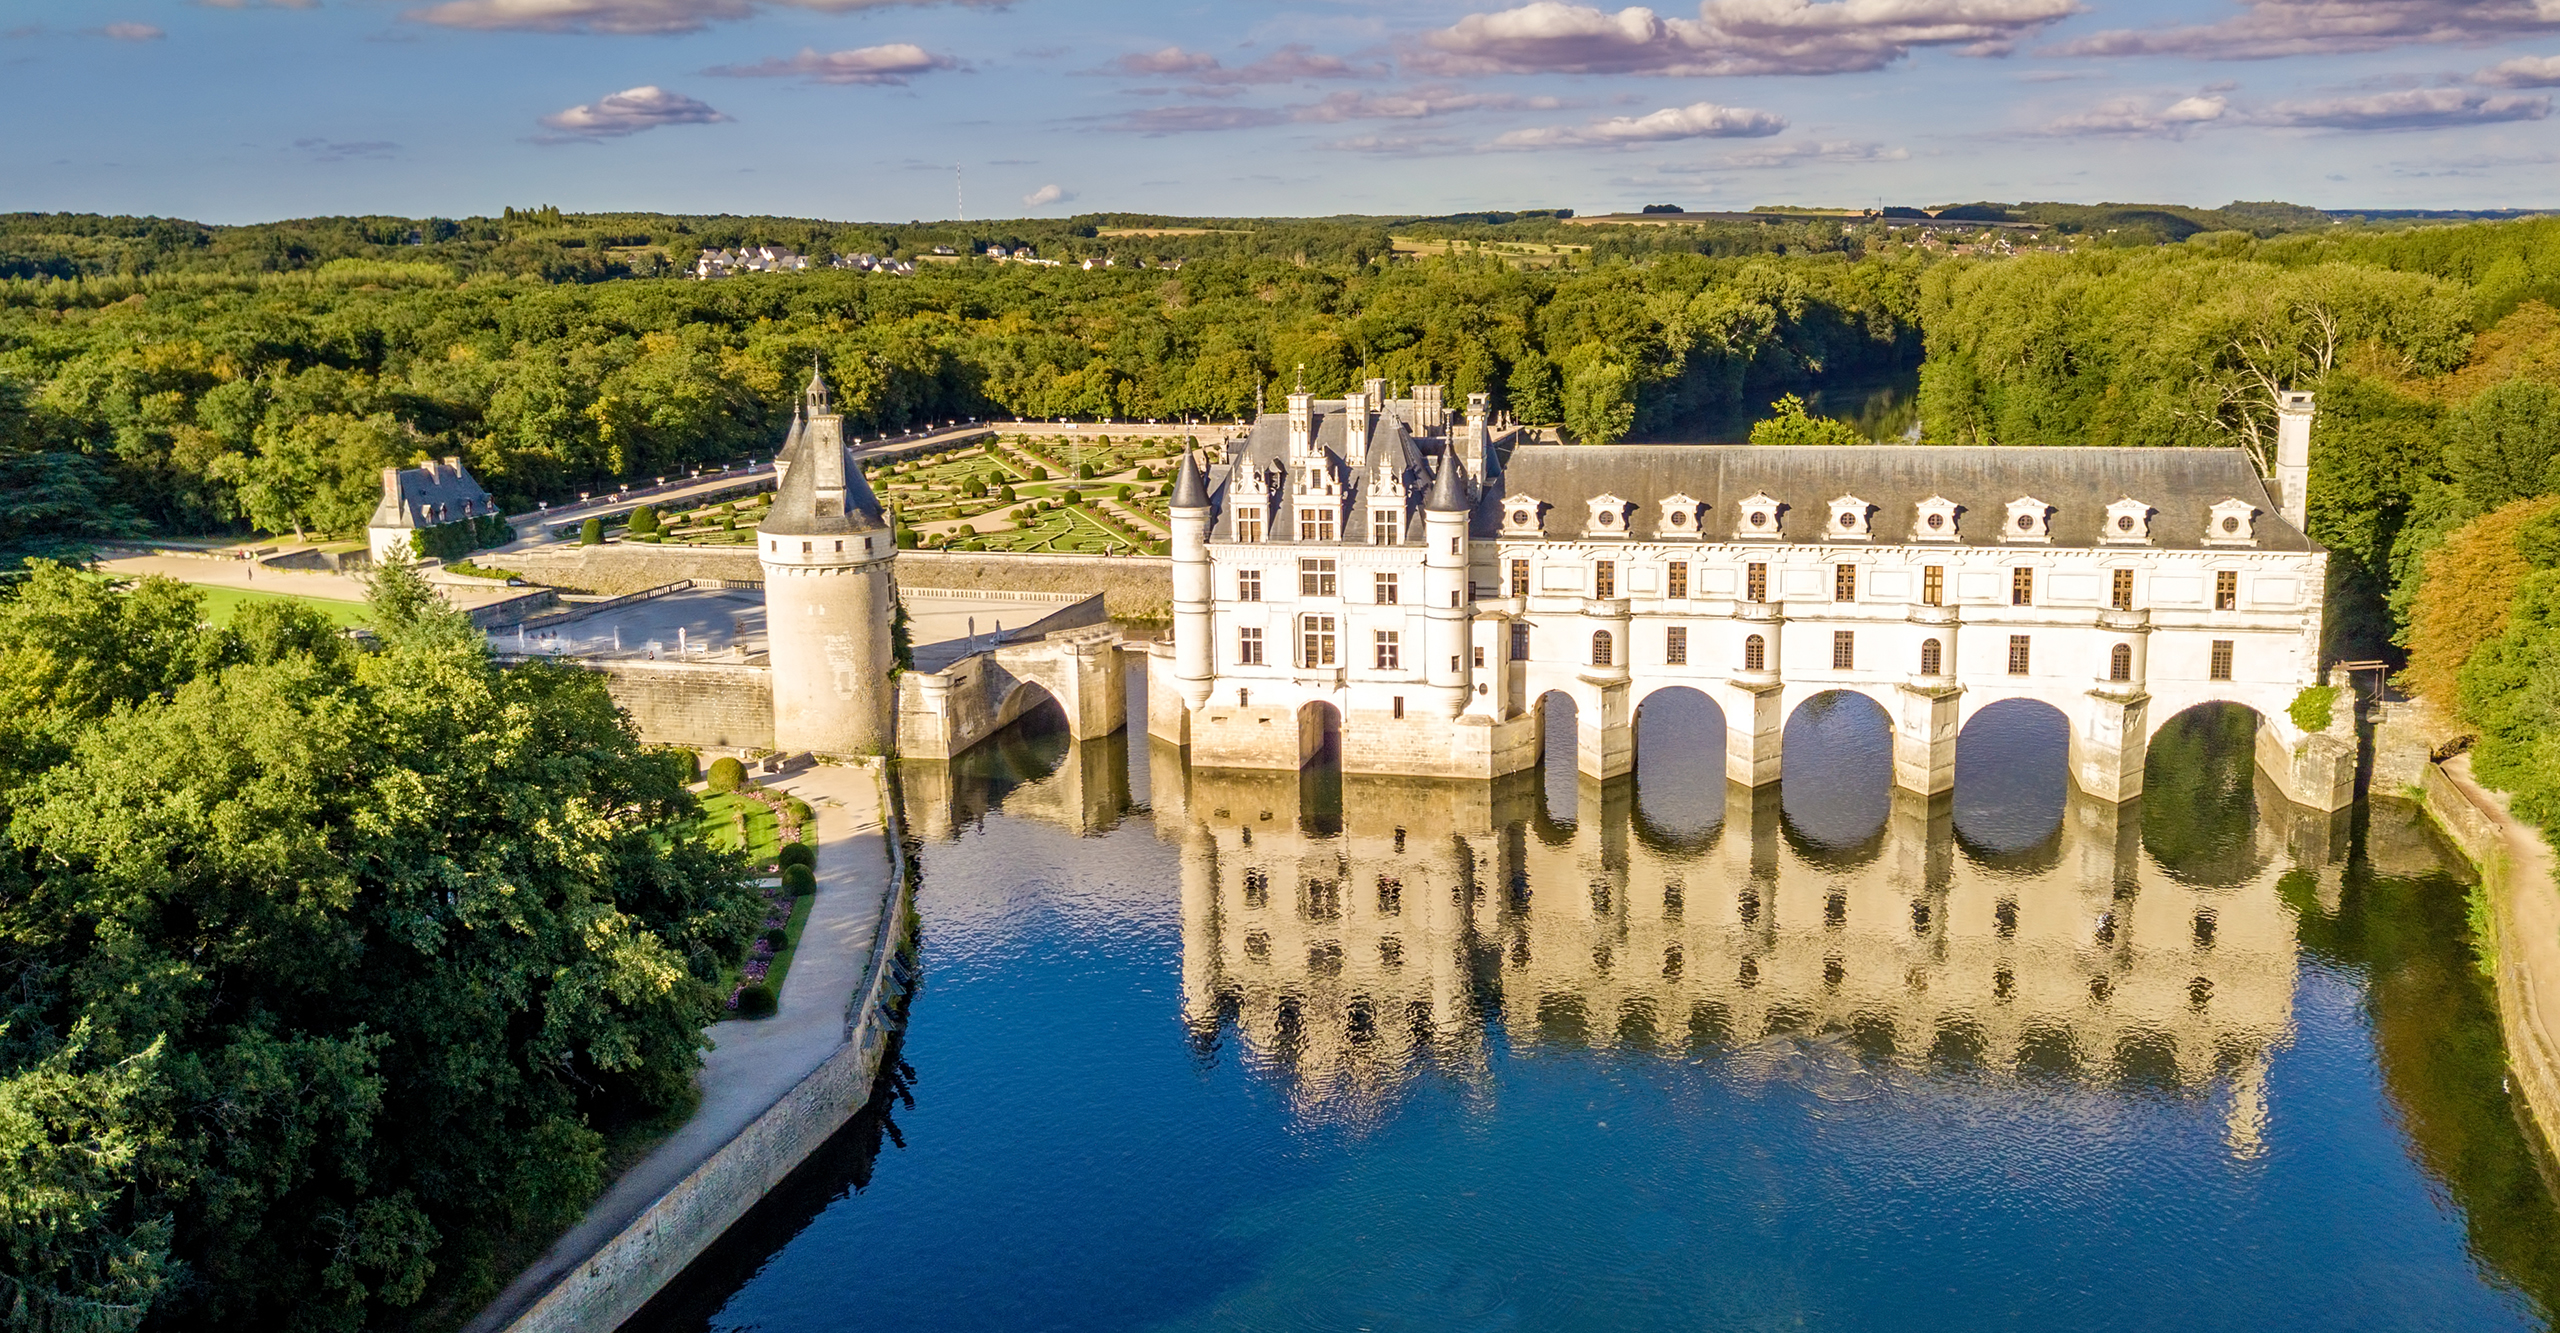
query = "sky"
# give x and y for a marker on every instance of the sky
(889, 110)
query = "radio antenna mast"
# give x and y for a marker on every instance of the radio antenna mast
(959, 192)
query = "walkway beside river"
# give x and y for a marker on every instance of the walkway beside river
(753, 1063)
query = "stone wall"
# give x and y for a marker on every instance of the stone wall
(709, 705)
(621, 1276)
(616, 568)
(1134, 587)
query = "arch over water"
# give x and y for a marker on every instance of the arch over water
(1679, 768)
(1836, 775)
(2200, 794)
(2013, 778)
(1559, 723)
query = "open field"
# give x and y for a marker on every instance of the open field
(221, 603)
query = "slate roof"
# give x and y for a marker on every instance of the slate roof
(429, 494)
(1190, 489)
(2180, 485)
(1395, 449)
(824, 494)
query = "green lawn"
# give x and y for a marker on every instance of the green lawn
(220, 604)
(762, 842)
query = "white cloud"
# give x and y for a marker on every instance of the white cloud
(2134, 115)
(132, 32)
(630, 16)
(2266, 29)
(628, 112)
(1698, 120)
(1295, 63)
(1729, 36)
(2525, 72)
(1046, 195)
(1417, 104)
(2412, 109)
(893, 63)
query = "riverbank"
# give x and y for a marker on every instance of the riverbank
(2523, 920)
(772, 1089)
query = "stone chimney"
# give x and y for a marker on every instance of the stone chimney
(1376, 391)
(2294, 412)
(1302, 423)
(1477, 436)
(1430, 417)
(1355, 428)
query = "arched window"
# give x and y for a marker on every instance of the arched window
(2120, 662)
(1929, 657)
(1601, 648)
(1755, 654)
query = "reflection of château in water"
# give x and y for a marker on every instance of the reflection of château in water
(1351, 949)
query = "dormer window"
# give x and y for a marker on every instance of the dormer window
(1759, 516)
(1608, 516)
(2028, 519)
(2128, 524)
(1681, 517)
(1934, 519)
(1849, 517)
(1523, 516)
(2232, 523)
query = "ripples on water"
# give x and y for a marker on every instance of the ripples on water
(1255, 1051)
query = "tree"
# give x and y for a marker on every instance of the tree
(1790, 425)
(1599, 400)
(2504, 445)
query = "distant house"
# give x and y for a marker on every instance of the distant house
(426, 496)
(748, 259)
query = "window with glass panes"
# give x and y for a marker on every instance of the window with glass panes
(2022, 586)
(1603, 648)
(1675, 646)
(1519, 641)
(1385, 587)
(1248, 527)
(1248, 585)
(1932, 657)
(2120, 595)
(2226, 590)
(1844, 650)
(2017, 654)
(1604, 578)
(2221, 667)
(1390, 650)
(1316, 641)
(1249, 646)
(1844, 583)
(1675, 579)
(1755, 654)
(1519, 578)
(1315, 525)
(1755, 583)
(1386, 527)
(1933, 585)
(1316, 578)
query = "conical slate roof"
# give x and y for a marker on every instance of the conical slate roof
(791, 441)
(824, 494)
(1449, 487)
(1190, 489)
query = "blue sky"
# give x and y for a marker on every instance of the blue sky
(243, 110)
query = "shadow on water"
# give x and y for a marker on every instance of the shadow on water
(2200, 804)
(1679, 773)
(1836, 778)
(2013, 776)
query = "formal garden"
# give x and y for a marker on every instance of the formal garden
(777, 833)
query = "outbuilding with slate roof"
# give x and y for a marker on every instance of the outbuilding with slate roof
(429, 495)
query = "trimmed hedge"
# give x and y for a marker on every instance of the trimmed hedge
(796, 854)
(757, 1001)
(800, 880)
(727, 775)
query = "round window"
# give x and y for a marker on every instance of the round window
(1607, 519)
(1848, 519)
(2026, 522)
(1519, 518)
(2124, 522)
(2230, 525)
(1759, 518)
(1680, 518)
(1937, 521)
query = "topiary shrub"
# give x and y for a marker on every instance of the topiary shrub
(2313, 708)
(1005, 494)
(643, 519)
(1039, 473)
(906, 539)
(727, 775)
(1084, 471)
(756, 1001)
(796, 854)
(1120, 493)
(800, 880)
(591, 532)
(775, 939)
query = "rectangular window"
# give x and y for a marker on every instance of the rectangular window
(1248, 585)
(1675, 646)
(1519, 641)
(1315, 525)
(2022, 586)
(1519, 578)
(1755, 583)
(1315, 578)
(1315, 647)
(2017, 654)
(1386, 589)
(1933, 585)
(1479, 659)
(1399, 705)
(1249, 647)
(1844, 650)
(1249, 527)
(2222, 659)
(1386, 527)
(1676, 580)
(2122, 593)
(1844, 583)
(1604, 578)
(2226, 590)
(1390, 654)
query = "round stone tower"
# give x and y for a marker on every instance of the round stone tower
(1193, 624)
(1446, 514)
(830, 587)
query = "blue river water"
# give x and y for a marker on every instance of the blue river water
(1201, 1051)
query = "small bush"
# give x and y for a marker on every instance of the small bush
(796, 854)
(799, 880)
(906, 539)
(1120, 493)
(591, 532)
(1039, 473)
(727, 775)
(2313, 707)
(775, 939)
(643, 519)
(756, 1001)
(1005, 494)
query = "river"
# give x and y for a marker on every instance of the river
(1200, 1051)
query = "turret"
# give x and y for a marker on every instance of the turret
(830, 588)
(2293, 456)
(1446, 512)
(1194, 629)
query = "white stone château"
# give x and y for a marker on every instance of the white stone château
(1384, 575)
(830, 589)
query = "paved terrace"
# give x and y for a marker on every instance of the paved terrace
(729, 624)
